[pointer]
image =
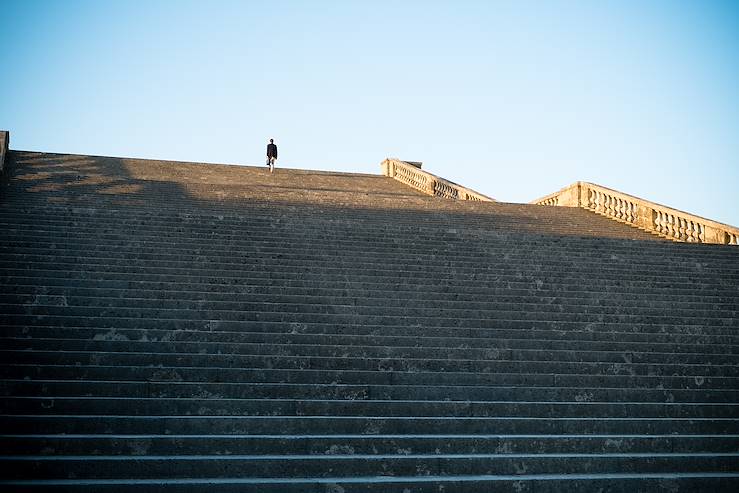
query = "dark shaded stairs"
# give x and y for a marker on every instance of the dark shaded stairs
(190, 327)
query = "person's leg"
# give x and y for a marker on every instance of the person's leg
(271, 165)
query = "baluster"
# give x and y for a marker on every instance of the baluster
(676, 220)
(668, 224)
(694, 232)
(679, 224)
(656, 221)
(615, 207)
(661, 223)
(673, 226)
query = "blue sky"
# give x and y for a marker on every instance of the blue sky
(513, 98)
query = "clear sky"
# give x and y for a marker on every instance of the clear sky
(513, 98)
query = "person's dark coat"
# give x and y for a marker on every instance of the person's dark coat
(272, 150)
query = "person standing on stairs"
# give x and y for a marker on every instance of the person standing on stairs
(271, 155)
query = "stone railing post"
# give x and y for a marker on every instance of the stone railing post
(431, 186)
(644, 217)
(388, 168)
(715, 235)
(4, 145)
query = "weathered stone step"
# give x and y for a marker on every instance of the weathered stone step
(303, 251)
(314, 226)
(668, 386)
(273, 237)
(328, 248)
(349, 362)
(408, 211)
(101, 289)
(383, 425)
(517, 329)
(501, 341)
(360, 444)
(145, 466)
(57, 286)
(274, 265)
(173, 399)
(362, 306)
(479, 352)
(352, 315)
(331, 247)
(524, 215)
(328, 272)
(571, 330)
(198, 379)
(546, 483)
(250, 282)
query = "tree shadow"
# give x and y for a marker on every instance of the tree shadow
(45, 179)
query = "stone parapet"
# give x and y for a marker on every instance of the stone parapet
(664, 221)
(411, 174)
(4, 144)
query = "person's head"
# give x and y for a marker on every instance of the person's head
(271, 141)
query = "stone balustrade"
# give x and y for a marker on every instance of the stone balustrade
(664, 221)
(4, 145)
(423, 181)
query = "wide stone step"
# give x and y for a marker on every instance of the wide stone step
(352, 362)
(168, 330)
(328, 271)
(174, 399)
(549, 219)
(31, 288)
(381, 425)
(506, 341)
(389, 376)
(348, 314)
(360, 444)
(36, 243)
(304, 251)
(147, 466)
(361, 306)
(429, 213)
(319, 385)
(479, 352)
(369, 285)
(545, 483)
(306, 227)
(301, 250)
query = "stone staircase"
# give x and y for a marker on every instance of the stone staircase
(187, 327)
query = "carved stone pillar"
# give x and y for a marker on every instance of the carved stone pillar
(644, 217)
(388, 168)
(715, 235)
(431, 186)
